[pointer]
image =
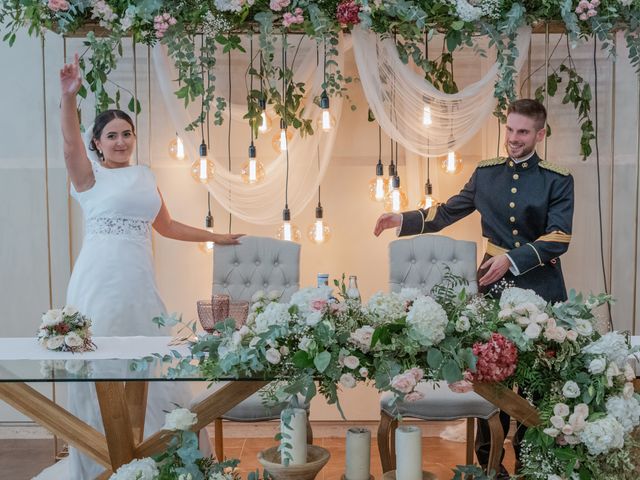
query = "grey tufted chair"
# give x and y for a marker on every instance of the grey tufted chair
(419, 262)
(258, 263)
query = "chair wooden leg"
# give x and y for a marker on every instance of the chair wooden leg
(497, 443)
(470, 439)
(309, 432)
(218, 440)
(387, 441)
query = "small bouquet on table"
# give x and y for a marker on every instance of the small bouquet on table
(66, 330)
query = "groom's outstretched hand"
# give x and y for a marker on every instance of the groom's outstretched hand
(228, 238)
(387, 220)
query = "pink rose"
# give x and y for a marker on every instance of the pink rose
(413, 397)
(58, 5)
(583, 16)
(318, 304)
(404, 383)
(292, 18)
(462, 386)
(277, 5)
(417, 373)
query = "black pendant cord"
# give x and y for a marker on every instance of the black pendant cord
(229, 137)
(284, 117)
(209, 218)
(251, 82)
(202, 116)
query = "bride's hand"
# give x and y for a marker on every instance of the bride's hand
(70, 78)
(227, 238)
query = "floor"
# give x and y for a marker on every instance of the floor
(20, 459)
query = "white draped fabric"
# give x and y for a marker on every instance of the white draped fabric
(398, 97)
(262, 203)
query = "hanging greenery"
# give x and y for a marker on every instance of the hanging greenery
(180, 24)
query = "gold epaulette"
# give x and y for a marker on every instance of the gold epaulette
(491, 162)
(554, 168)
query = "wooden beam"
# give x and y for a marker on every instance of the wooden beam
(136, 394)
(56, 419)
(509, 401)
(212, 407)
(117, 425)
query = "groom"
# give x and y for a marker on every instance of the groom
(526, 209)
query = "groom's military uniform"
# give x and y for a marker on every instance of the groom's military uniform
(526, 212)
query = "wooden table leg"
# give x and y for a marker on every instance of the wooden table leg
(116, 421)
(213, 406)
(56, 419)
(509, 401)
(136, 393)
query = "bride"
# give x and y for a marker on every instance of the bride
(113, 279)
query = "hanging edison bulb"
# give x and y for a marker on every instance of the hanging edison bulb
(176, 148)
(288, 231)
(426, 114)
(280, 141)
(207, 247)
(202, 169)
(392, 174)
(319, 232)
(427, 200)
(252, 171)
(451, 164)
(396, 200)
(265, 120)
(378, 184)
(326, 121)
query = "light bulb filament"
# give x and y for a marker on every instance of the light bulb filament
(253, 175)
(395, 200)
(319, 231)
(204, 175)
(451, 161)
(379, 189)
(287, 234)
(283, 140)
(326, 120)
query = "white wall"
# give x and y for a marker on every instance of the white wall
(184, 273)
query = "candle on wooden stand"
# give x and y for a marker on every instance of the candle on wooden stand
(294, 436)
(358, 454)
(408, 453)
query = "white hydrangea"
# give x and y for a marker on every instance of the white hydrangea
(467, 12)
(625, 410)
(305, 297)
(515, 297)
(613, 345)
(273, 314)
(410, 294)
(232, 5)
(427, 321)
(179, 419)
(385, 307)
(143, 469)
(602, 435)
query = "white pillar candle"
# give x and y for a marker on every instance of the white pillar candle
(408, 453)
(294, 436)
(358, 454)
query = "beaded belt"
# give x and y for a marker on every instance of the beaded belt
(131, 227)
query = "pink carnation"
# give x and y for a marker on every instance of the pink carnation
(292, 18)
(347, 13)
(497, 359)
(58, 5)
(277, 5)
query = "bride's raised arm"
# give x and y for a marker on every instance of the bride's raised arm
(75, 155)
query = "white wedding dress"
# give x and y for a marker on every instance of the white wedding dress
(113, 282)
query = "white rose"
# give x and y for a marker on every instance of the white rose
(571, 389)
(273, 356)
(628, 390)
(597, 365)
(306, 344)
(52, 317)
(557, 422)
(284, 350)
(463, 324)
(572, 335)
(567, 430)
(313, 318)
(143, 469)
(561, 409)
(347, 380)
(256, 297)
(351, 362)
(552, 432)
(364, 372)
(629, 373)
(69, 310)
(72, 339)
(532, 331)
(243, 330)
(55, 342)
(274, 295)
(179, 419)
(584, 327)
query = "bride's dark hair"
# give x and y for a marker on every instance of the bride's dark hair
(101, 121)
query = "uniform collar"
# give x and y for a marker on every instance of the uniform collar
(523, 164)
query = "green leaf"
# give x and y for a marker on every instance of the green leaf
(451, 372)
(434, 358)
(322, 361)
(301, 359)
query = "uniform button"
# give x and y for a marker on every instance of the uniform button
(511, 164)
(512, 219)
(516, 176)
(525, 165)
(515, 232)
(517, 244)
(512, 204)
(514, 190)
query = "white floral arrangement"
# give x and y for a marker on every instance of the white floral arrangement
(182, 460)
(66, 330)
